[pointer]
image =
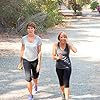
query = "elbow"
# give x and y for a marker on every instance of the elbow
(75, 50)
(53, 57)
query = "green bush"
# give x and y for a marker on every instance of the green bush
(50, 8)
(12, 10)
(30, 9)
(94, 5)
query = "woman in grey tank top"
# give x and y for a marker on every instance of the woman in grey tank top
(60, 53)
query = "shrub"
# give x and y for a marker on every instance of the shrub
(94, 5)
(15, 13)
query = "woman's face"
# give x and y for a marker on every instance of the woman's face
(63, 38)
(30, 30)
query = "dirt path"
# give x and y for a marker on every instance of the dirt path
(85, 80)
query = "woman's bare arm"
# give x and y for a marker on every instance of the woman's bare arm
(54, 52)
(71, 46)
(21, 52)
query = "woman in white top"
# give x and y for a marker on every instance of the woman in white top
(31, 57)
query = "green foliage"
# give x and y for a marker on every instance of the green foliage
(50, 8)
(83, 2)
(77, 5)
(94, 5)
(30, 9)
(12, 10)
(52, 19)
(51, 16)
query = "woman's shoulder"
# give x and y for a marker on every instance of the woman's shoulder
(55, 44)
(25, 36)
(38, 37)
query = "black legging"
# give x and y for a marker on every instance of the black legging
(30, 69)
(64, 76)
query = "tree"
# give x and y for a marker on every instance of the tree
(83, 2)
(94, 5)
(77, 5)
(10, 10)
(16, 12)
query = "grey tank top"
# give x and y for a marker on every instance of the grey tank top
(65, 61)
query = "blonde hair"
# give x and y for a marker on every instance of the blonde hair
(65, 35)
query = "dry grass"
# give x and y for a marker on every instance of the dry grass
(9, 44)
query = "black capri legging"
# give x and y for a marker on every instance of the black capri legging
(64, 76)
(30, 69)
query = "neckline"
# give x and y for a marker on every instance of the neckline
(31, 41)
(62, 49)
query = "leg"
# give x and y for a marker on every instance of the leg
(35, 81)
(35, 74)
(28, 78)
(60, 77)
(67, 73)
(67, 92)
(29, 86)
(62, 89)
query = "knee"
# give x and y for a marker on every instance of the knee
(28, 79)
(61, 82)
(66, 85)
(36, 75)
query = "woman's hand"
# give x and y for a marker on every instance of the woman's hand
(38, 68)
(20, 66)
(59, 56)
(71, 46)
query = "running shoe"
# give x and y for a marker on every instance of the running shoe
(63, 97)
(30, 97)
(35, 89)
